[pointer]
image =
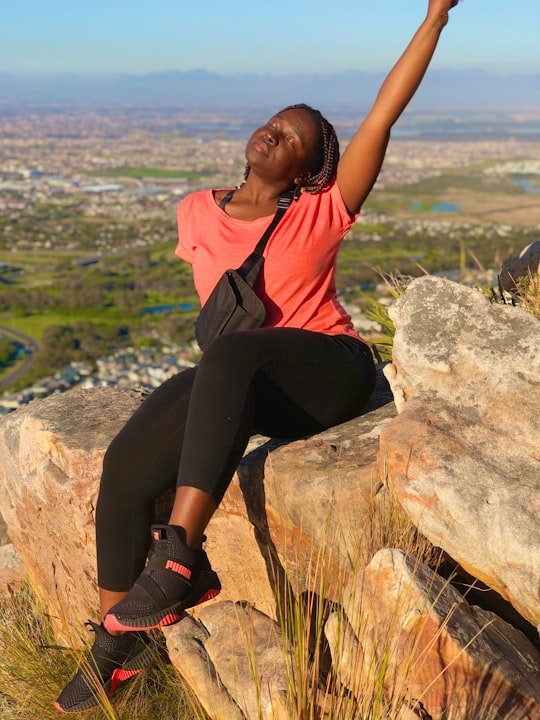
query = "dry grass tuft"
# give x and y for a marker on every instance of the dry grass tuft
(314, 677)
(528, 293)
(34, 669)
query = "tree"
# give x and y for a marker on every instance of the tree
(8, 352)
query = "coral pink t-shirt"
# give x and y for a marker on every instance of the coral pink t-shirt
(297, 284)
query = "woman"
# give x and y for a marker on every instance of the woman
(305, 370)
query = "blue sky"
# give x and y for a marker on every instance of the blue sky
(231, 36)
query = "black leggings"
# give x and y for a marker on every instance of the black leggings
(194, 429)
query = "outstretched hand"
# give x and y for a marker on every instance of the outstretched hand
(441, 6)
(439, 9)
(362, 160)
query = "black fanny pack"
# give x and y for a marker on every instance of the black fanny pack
(233, 304)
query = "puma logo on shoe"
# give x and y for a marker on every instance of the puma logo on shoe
(177, 568)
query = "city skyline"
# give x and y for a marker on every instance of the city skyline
(116, 37)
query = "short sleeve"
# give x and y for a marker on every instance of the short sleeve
(184, 249)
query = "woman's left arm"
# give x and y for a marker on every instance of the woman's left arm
(361, 162)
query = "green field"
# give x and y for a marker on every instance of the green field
(149, 172)
(35, 324)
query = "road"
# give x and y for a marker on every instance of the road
(30, 346)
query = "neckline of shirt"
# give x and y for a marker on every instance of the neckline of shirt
(223, 213)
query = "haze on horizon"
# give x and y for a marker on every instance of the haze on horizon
(305, 36)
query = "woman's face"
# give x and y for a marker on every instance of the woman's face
(283, 149)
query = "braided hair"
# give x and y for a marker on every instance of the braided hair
(326, 154)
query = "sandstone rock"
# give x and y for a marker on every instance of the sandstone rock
(52, 451)
(347, 653)
(239, 651)
(527, 262)
(248, 652)
(4, 539)
(185, 644)
(463, 455)
(435, 652)
(12, 570)
(308, 504)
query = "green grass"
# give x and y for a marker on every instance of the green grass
(35, 325)
(25, 258)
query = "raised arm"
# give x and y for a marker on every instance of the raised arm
(362, 160)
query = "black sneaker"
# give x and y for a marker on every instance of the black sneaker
(111, 660)
(175, 578)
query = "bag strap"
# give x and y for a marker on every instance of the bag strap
(254, 260)
(282, 204)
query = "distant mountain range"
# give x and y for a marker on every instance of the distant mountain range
(449, 90)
